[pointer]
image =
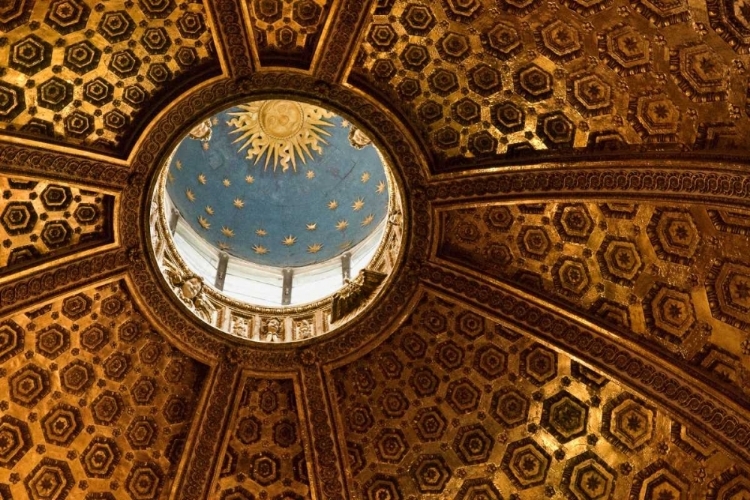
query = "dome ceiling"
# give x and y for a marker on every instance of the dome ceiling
(570, 318)
(307, 194)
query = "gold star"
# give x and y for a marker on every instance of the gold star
(314, 248)
(224, 246)
(226, 182)
(209, 210)
(358, 204)
(260, 232)
(289, 240)
(170, 177)
(249, 179)
(342, 224)
(203, 222)
(205, 146)
(365, 177)
(312, 226)
(202, 178)
(367, 220)
(229, 233)
(238, 203)
(190, 194)
(310, 174)
(345, 245)
(260, 249)
(178, 164)
(333, 205)
(381, 187)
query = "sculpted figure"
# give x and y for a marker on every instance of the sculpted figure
(274, 330)
(304, 329)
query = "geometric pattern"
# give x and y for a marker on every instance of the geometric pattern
(265, 435)
(107, 71)
(287, 32)
(533, 56)
(550, 433)
(666, 274)
(67, 429)
(52, 220)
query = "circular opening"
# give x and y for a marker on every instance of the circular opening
(276, 220)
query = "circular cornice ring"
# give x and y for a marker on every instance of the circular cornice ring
(176, 321)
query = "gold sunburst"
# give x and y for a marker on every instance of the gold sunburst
(260, 232)
(358, 204)
(367, 220)
(365, 177)
(209, 210)
(342, 224)
(190, 194)
(381, 187)
(224, 246)
(283, 131)
(178, 165)
(228, 232)
(204, 222)
(314, 248)
(238, 203)
(260, 249)
(310, 174)
(202, 178)
(290, 240)
(226, 182)
(333, 205)
(249, 179)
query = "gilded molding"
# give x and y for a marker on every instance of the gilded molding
(53, 280)
(234, 38)
(337, 47)
(208, 431)
(61, 165)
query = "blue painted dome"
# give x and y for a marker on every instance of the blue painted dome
(279, 183)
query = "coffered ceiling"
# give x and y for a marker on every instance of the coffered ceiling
(570, 319)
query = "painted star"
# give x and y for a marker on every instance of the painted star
(249, 179)
(224, 246)
(209, 210)
(238, 203)
(367, 220)
(314, 248)
(381, 187)
(170, 177)
(312, 226)
(178, 165)
(260, 232)
(365, 177)
(205, 146)
(202, 178)
(358, 204)
(190, 194)
(342, 224)
(229, 233)
(289, 240)
(345, 245)
(226, 182)
(333, 205)
(260, 249)
(310, 174)
(203, 222)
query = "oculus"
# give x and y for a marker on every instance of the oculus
(276, 220)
